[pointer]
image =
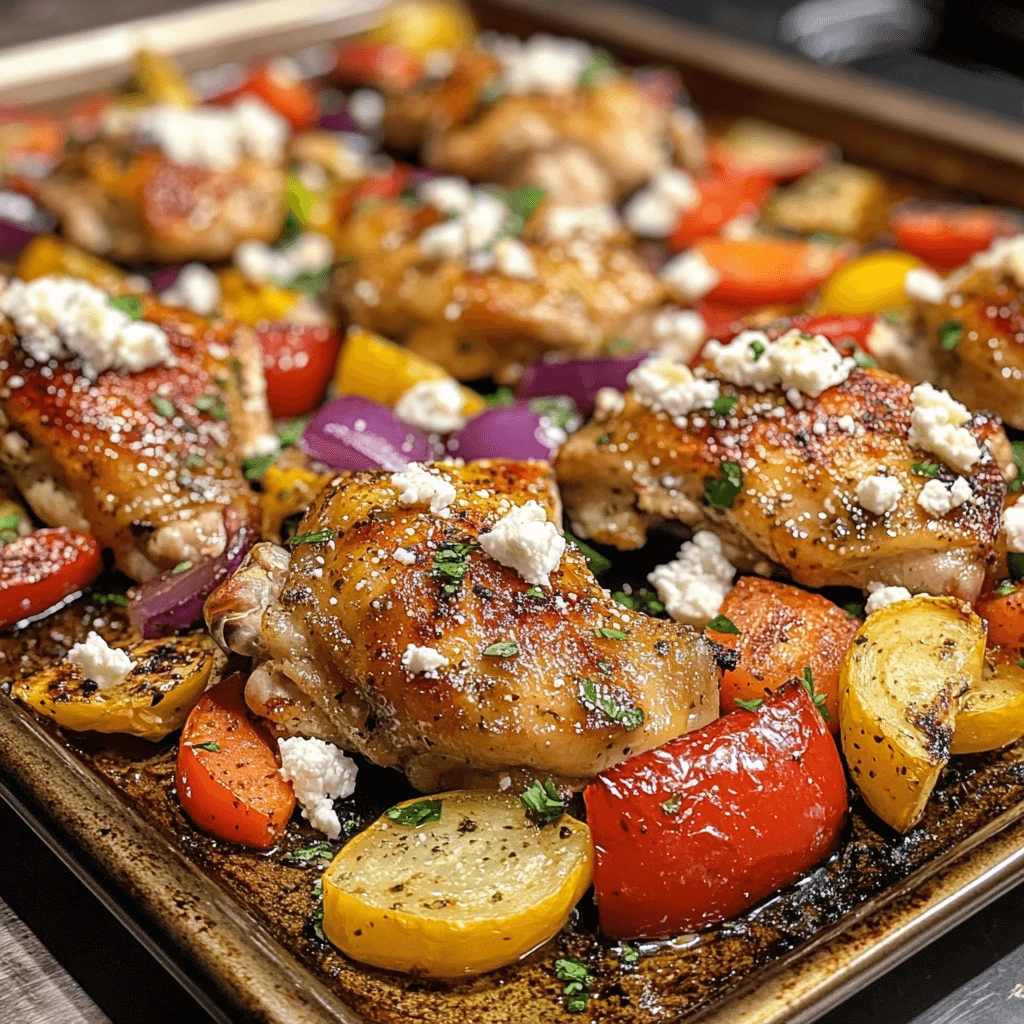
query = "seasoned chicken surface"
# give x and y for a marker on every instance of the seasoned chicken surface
(133, 205)
(335, 625)
(796, 511)
(149, 462)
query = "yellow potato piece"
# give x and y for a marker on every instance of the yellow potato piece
(47, 254)
(899, 685)
(868, 285)
(169, 676)
(991, 713)
(469, 893)
(287, 490)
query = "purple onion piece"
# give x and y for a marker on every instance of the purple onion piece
(355, 433)
(339, 121)
(513, 432)
(165, 278)
(174, 601)
(580, 379)
(20, 221)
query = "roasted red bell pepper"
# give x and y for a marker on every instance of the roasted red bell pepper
(707, 825)
(723, 197)
(947, 235)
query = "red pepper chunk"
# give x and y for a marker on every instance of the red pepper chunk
(707, 825)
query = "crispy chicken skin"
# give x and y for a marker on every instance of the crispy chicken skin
(102, 457)
(339, 617)
(796, 512)
(133, 205)
(485, 324)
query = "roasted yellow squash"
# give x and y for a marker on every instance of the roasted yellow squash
(991, 712)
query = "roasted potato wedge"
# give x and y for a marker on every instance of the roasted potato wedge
(991, 712)
(169, 676)
(899, 688)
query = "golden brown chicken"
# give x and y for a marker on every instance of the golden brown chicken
(828, 493)
(395, 631)
(148, 461)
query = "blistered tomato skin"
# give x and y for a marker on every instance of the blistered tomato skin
(707, 825)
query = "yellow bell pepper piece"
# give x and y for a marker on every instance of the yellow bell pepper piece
(47, 254)
(868, 285)
(162, 81)
(420, 26)
(252, 303)
(378, 369)
(287, 490)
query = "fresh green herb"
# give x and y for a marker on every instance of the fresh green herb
(862, 359)
(747, 705)
(605, 666)
(181, 567)
(758, 348)
(610, 634)
(818, 698)
(603, 440)
(630, 954)
(596, 562)
(629, 716)
(1018, 457)
(523, 201)
(312, 281)
(350, 825)
(254, 466)
(1020, 662)
(892, 316)
(10, 521)
(723, 624)
(316, 918)
(619, 346)
(804, 334)
(950, 334)
(558, 410)
(724, 404)
(118, 599)
(194, 461)
(491, 92)
(204, 403)
(535, 592)
(316, 537)
(626, 600)
(131, 305)
(640, 599)
(409, 196)
(290, 433)
(451, 562)
(501, 399)
(290, 230)
(502, 649)
(576, 975)
(930, 469)
(600, 65)
(1015, 563)
(164, 406)
(300, 200)
(212, 746)
(672, 804)
(1006, 587)
(309, 854)
(543, 802)
(854, 610)
(423, 812)
(652, 604)
(721, 491)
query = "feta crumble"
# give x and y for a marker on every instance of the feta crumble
(1013, 527)
(432, 405)
(196, 288)
(879, 494)
(654, 211)
(742, 361)
(924, 286)
(1005, 256)
(689, 276)
(403, 556)
(543, 64)
(937, 498)
(418, 486)
(810, 363)
(514, 259)
(471, 231)
(693, 587)
(527, 541)
(448, 194)
(309, 253)
(95, 659)
(366, 107)
(423, 661)
(879, 595)
(937, 426)
(59, 317)
(679, 333)
(671, 387)
(608, 402)
(320, 773)
(595, 222)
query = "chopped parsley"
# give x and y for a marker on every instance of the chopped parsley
(316, 537)
(212, 746)
(672, 804)
(723, 624)
(818, 698)
(312, 281)
(164, 406)
(1020, 662)
(950, 334)
(309, 854)
(721, 491)
(643, 600)
(535, 592)
(290, 433)
(523, 201)
(629, 716)
(502, 649)
(1015, 563)
(630, 954)
(862, 359)
(451, 562)
(596, 562)
(491, 92)
(181, 567)
(543, 802)
(610, 634)
(254, 466)
(500, 399)
(316, 918)
(1006, 587)
(194, 461)
(9, 527)
(929, 469)
(601, 64)
(423, 812)
(558, 410)
(603, 440)
(854, 610)
(211, 404)
(117, 599)
(758, 349)
(130, 305)
(723, 405)
(576, 975)
(747, 705)
(619, 346)
(1018, 457)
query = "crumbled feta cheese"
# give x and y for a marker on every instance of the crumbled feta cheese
(483, 220)
(742, 361)
(1005, 257)
(470, 232)
(809, 363)
(444, 241)
(740, 229)
(403, 556)
(196, 288)
(879, 595)
(689, 276)
(1013, 527)
(513, 259)
(936, 498)
(879, 494)
(433, 405)
(671, 387)
(419, 486)
(320, 773)
(447, 194)
(438, 64)
(679, 333)
(846, 424)
(309, 253)
(366, 107)
(423, 661)
(527, 541)
(593, 223)
(543, 64)
(95, 659)
(607, 403)
(655, 210)
(693, 587)
(924, 285)
(58, 317)
(937, 426)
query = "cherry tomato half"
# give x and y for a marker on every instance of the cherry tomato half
(298, 360)
(277, 86)
(382, 65)
(947, 235)
(723, 198)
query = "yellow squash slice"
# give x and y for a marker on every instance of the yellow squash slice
(991, 713)
(909, 665)
(469, 892)
(169, 676)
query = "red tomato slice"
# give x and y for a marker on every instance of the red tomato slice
(292, 98)
(709, 824)
(723, 320)
(1004, 614)
(762, 271)
(947, 235)
(382, 65)
(722, 198)
(298, 360)
(43, 568)
(382, 187)
(227, 775)
(764, 150)
(839, 328)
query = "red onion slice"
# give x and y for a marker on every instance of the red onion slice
(580, 379)
(514, 432)
(355, 433)
(174, 601)
(339, 121)
(165, 278)
(20, 221)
